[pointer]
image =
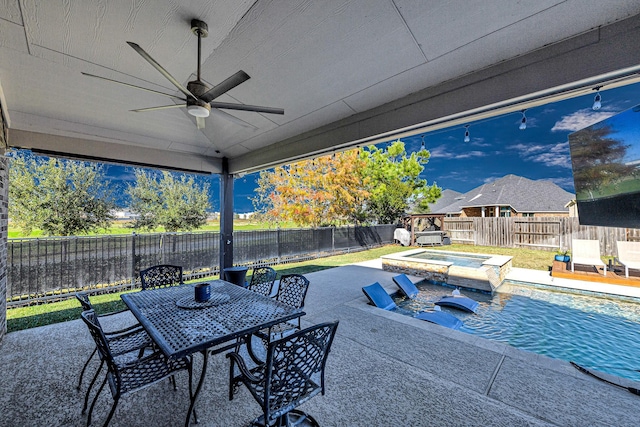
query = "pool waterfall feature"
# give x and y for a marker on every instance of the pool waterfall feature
(466, 270)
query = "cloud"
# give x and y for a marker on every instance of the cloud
(580, 120)
(458, 176)
(549, 155)
(491, 178)
(441, 152)
(565, 182)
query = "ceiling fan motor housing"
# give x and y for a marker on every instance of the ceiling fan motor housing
(197, 107)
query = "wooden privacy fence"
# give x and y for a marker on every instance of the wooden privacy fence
(50, 268)
(546, 233)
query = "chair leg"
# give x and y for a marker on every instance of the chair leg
(231, 365)
(86, 396)
(172, 378)
(95, 398)
(84, 368)
(113, 409)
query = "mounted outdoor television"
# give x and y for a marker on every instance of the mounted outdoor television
(605, 158)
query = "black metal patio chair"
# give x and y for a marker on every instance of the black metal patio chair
(160, 276)
(292, 374)
(122, 340)
(262, 280)
(126, 374)
(292, 291)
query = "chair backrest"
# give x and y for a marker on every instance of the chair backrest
(83, 297)
(585, 248)
(90, 318)
(406, 286)
(293, 290)
(161, 276)
(295, 368)
(262, 279)
(628, 251)
(378, 296)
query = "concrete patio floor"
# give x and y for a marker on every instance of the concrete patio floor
(384, 369)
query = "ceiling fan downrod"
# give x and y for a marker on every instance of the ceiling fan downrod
(200, 29)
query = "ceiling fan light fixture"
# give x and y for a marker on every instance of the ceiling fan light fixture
(198, 111)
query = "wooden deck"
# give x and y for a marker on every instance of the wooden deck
(591, 274)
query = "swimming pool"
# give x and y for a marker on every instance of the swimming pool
(596, 332)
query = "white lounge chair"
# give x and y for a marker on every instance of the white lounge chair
(586, 252)
(629, 255)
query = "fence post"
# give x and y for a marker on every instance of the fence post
(278, 243)
(134, 261)
(333, 240)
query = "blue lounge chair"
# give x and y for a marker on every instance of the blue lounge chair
(378, 296)
(440, 318)
(406, 286)
(458, 301)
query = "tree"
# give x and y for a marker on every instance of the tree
(175, 202)
(329, 190)
(348, 187)
(598, 160)
(60, 197)
(395, 182)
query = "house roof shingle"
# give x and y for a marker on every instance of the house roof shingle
(446, 198)
(522, 194)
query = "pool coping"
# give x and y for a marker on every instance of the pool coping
(530, 277)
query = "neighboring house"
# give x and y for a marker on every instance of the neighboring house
(123, 214)
(447, 198)
(510, 195)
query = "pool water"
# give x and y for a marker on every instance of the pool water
(596, 332)
(473, 261)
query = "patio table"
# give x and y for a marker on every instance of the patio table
(179, 326)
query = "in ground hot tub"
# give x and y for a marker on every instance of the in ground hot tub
(473, 271)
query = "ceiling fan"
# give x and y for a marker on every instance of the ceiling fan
(199, 97)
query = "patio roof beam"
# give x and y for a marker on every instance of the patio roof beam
(100, 151)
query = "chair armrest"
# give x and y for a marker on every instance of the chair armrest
(235, 357)
(124, 331)
(113, 313)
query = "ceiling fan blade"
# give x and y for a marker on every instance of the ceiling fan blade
(245, 107)
(134, 86)
(159, 67)
(163, 107)
(234, 119)
(200, 122)
(225, 86)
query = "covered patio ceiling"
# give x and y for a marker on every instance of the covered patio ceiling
(346, 72)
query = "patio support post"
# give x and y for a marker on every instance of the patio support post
(4, 219)
(226, 217)
(4, 213)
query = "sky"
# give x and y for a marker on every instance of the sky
(497, 147)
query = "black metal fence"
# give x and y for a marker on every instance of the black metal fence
(51, 268)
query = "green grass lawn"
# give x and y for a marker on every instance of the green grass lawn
(44, 314)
